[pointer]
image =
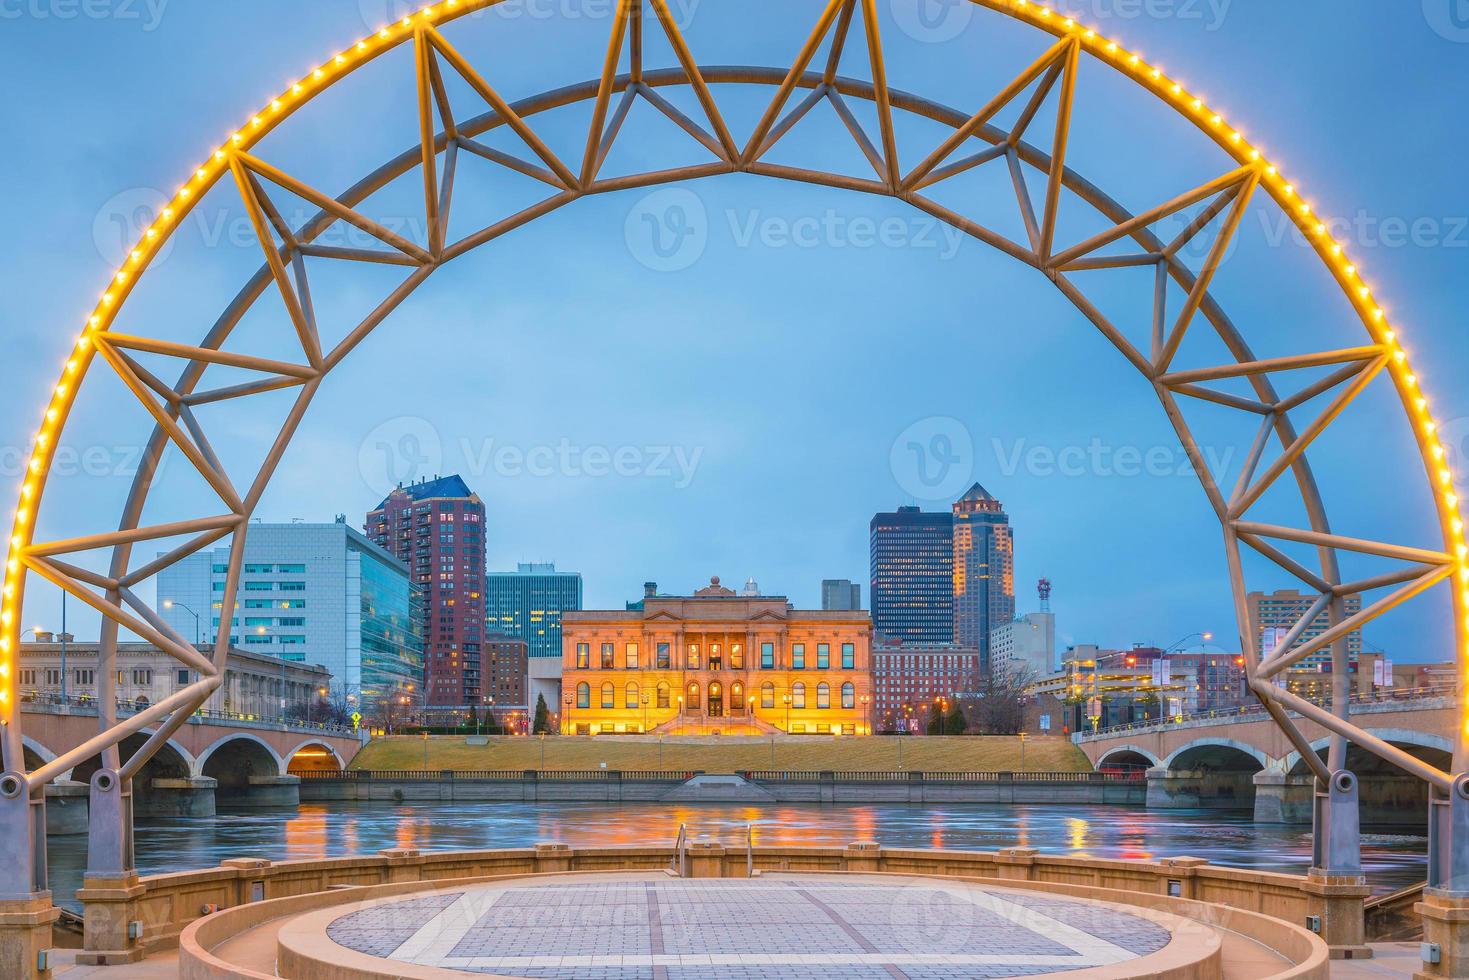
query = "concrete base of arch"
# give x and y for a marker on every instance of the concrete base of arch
(25, 936)
(111, 904)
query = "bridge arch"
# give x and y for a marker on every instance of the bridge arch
(37, 754)
(237, 759)
(1129, 755)
(312, 755)
(1216, 752)
(1424, 745)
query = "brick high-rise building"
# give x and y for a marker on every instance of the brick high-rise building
(908, 679)
(437, 528)
(505, 687)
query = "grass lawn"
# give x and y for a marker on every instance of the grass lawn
(798, 752)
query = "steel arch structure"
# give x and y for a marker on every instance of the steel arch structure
(813, 78)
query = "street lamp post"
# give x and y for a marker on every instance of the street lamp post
(787, 699)
(1022, 751)
(866, 713)
(566, 701)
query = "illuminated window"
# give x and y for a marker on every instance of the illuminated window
(691, 659)
(798, 695)
(736, 656)
(609, 656)
(767, 695)
(630, 656)
(691, 696)
(583, 655)
(849, 695)
(663, 692)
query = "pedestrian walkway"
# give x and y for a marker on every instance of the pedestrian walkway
(787, 927)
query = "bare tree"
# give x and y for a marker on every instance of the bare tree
(999, 705)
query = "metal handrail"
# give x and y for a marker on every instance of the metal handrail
(1256, 712)
(41, 701)
(749, 850)
(681, 852)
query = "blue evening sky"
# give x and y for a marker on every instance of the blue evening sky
(730, 377)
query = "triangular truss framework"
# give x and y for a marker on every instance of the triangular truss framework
(974, 142)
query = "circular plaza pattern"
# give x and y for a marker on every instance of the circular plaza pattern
(655, 927)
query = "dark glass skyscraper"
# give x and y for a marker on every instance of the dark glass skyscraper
(528, 602)
(984, 570)
(437, 528)
(912, 554)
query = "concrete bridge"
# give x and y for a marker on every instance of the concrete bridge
(250, 763)
(1244, 762)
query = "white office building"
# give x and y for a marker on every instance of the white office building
(1026, 645)
(309, 593)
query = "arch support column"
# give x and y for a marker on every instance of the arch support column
(110, 891)
(1335, 882)
(26, 912)
(1445, 905)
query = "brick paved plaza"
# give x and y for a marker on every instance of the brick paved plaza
(784, 927)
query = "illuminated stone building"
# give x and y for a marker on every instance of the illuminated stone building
(716, 661)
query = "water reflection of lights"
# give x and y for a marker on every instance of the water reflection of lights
(338, 829)
(1077, 829)
(305, 833)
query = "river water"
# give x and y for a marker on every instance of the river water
(315, 830)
